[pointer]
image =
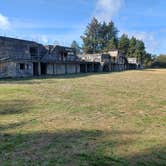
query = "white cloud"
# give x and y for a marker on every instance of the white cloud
(149, 39)
(4, 22)
(106, 9)
(40, 38)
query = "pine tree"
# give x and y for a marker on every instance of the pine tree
(132, 47)
(112, 45)
(103, 36)
(91, 37)
(148, 60)
(123, 44)
(112, 31)
(76, 46)
(140, 51)
(98, 36)
(109, 35)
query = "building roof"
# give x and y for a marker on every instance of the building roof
(132, 60)
(114, 53)
(10, 39)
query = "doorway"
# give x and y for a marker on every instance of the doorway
(82, 68)
(106, 68)
(43, 68)
(35, 69)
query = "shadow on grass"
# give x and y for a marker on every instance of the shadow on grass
(12, 126)
(9, 107)
(29, 80)
(155, 156)
(72, 148)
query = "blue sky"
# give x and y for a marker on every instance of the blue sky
(62, 21)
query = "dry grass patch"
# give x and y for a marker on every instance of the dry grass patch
(86, 120)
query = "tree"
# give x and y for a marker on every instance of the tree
(103, 36)
(123, 44)
(76, 46)
(148, 60)
(98, 36)
(132, 47)
(112, 31)
(108, 34)
(160, 62)
(140, 51)
(91, 37)
(112, 45)
(137, 49)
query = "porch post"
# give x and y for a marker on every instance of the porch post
(39, 68)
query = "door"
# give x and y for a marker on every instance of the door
(43, 68)
(35, 69)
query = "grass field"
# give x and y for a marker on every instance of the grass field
(116, 119)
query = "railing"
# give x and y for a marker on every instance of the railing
(4, 58)
(35, 58)
(59, 59)
(38, 58)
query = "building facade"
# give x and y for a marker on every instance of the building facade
(133, 63)
(109, 62)
(22, 58)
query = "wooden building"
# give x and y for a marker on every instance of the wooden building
(21, 58)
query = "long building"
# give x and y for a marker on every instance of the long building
(22, 58)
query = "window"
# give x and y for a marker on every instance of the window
(33, 51)
(105, 57)
(27, 67)
(70, 54)
(3, 67)
(113, 59)
(22, 66)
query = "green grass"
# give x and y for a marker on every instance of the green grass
(115, 119)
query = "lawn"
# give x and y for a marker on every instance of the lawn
(114, 119)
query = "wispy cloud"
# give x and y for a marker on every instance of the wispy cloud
(64, 38)
(149, 39)
(4, 22)
(106, 9)
(38, 24)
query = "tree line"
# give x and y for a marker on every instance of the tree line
(101, 37)
(159, 61)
